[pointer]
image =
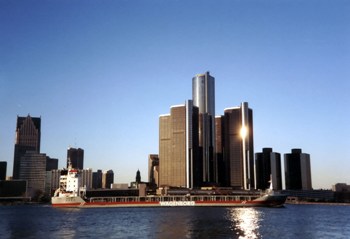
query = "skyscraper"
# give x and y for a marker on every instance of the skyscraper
(33, 170)
(238, 148)
(76, 157)
(203, 95)
(297, 170)
(97, 179)
(27, 139)
(268, 167)
(219, 148)
(178, 144)
(107, 178)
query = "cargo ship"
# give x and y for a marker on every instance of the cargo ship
(70, 194)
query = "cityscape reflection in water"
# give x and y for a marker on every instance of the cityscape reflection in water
(245, 222)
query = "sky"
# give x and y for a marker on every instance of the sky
(99, 74)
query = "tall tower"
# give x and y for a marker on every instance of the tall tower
(238, 159)
(203, 95)
(76, 157)
(178, 160)
(268, 167)
(27, 139)
(297, 170)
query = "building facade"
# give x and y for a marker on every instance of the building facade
(76, 157)
(237, 164)
(178, 146)
(51, 163)
(297, 170)
(107, 178)
(203, 96)
(153, 170)
(97, 179)
(86, 178)
(28, 133)
(268, 168)
(33, 170)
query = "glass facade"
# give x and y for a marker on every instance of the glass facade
(203, 95)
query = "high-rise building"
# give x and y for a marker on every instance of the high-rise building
(97, 179)
(178, 143)
(238, 147)
(55, 179)
(76, 158)
(51, 163)
(219, 146)
(27, 139)
(86, 178)
(153, 170)
(268, 167)
(3, 167)
(107, 179)
(297, 170)
(203, 96)
(33, 170)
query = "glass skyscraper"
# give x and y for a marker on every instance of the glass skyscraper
(203, 95)
(27, 139)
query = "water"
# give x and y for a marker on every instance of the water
(293, 221)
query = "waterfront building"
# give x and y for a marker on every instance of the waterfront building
(28, 135)
(268, 167)
(3, 167)
(97, 179)
(33, 170)
(238, 147)
(153, 170)
(51, 163)
(76, 157)
(178, 147)
(203, 96)
(107, 179)
(219, 146)
(55, 179)
(86, 178)
(297, 170)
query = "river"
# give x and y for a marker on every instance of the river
(292, 221)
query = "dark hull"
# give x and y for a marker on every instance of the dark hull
(275, 200)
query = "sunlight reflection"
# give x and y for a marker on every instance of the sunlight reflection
(245, 222)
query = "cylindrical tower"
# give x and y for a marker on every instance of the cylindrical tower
(203, 94)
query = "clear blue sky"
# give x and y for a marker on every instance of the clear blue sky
(99, 73)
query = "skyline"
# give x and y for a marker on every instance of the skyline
(92, 70)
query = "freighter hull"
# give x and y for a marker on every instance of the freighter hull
(216, 201)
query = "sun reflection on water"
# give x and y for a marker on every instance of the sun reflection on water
(245, 222)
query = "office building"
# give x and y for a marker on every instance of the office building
(153, 170)
(203, 96)
(33, 170)
(238, 148)
(97, 179)
(55, 179)
(268, 168)
(3, 167)
(297, 170)
(76, 158)
(219, 152)
(107, 179)
(178, 147)
(27, 139)
(86, 178)
(51, 163)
